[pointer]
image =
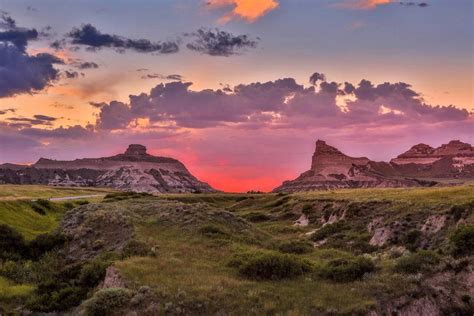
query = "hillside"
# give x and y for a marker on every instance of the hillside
(367, 252)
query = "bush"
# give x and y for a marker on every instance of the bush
(40, 206)
(119, 196)
(411, 240)
(328, 230)
(44, 243)
(296, 247)
(257, 217)
(270, 266)
(68, 205)
(135, 248)
(213, 231)
(107, 302)
(17, 271)
(82, 202)
(347, 269)
(463, 241)
(12, 244)
(417, 262)
(93, 272)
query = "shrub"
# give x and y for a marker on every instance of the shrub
(417, 262)
(93, 272)
(270, 266)
(213, 231)
(119, 196)
(46, 204)
(411, 239)
(82, 202)
(135, 248)
(463, 241)
(107, 302)
(12, 244)
(347, 269)
(44, 243)
(328, 230)
(68, 205)
(40, 206)
(296, 247)
(307, 208)
(257, 217)
(17, 271)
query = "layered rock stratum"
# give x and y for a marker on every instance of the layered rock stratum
(134, 170)
(421, 165)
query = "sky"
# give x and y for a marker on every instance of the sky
(238, 90)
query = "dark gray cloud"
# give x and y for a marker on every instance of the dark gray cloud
(45, 117)
(23, 73)
(71, 74)
(215, 42)
(316, 77)
(19, 71)
(87, 65)
(6, 111)
(72, 132)
(12, 34)
(414, 4)
(88, 35)
(174, 77)
(279, 103)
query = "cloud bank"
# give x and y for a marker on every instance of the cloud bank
(21, 72)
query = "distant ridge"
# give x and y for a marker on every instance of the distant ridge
(421, 165)
(134, 170)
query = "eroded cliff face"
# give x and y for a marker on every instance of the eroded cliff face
(422, 165)
(134, 170)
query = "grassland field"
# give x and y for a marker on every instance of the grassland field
(198, 260)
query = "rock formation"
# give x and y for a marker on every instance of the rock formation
(421, 165)
(134, 170)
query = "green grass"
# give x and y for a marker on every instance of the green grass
(191, 264)
(188, 241)
(20, 216)
(10, 291)
(417, 196)
(14, 192)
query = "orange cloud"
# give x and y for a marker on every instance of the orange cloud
(363, 4)
(249, 10)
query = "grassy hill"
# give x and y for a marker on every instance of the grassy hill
(327, 253)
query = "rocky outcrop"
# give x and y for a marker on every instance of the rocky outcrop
(134, 170)
(422, 165)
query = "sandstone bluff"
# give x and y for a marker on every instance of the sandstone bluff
(422, 165)
(134, 170)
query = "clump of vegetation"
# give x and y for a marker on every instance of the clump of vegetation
(270, 266)
(213, 231)
(296, 247)
(69, 285)
(421, 261)
(41, 206)
(411, 240)
(107, 301)
(135, 248)
(329, 230)
(44, 243)
(12, 244)
(120, 196)
(463, 241)
(257, 217)
(347, 269)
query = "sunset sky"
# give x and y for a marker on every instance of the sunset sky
(238, 90)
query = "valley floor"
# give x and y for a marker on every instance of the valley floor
(365, 251)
